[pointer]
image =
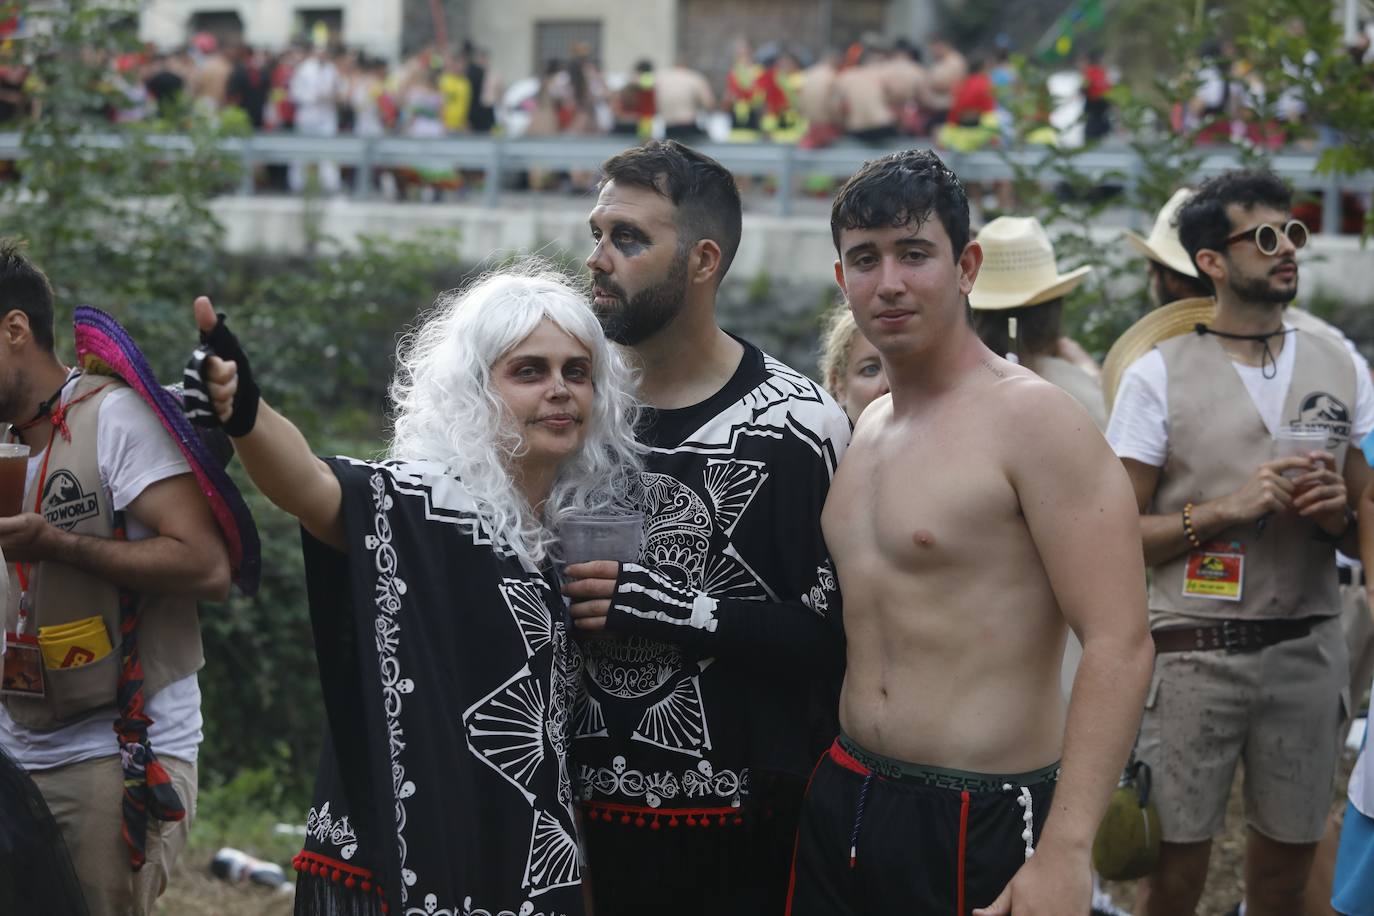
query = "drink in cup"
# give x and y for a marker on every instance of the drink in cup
(1297, 442)
(14, 469)
(585, 538)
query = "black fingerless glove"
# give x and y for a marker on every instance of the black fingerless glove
(220, 341)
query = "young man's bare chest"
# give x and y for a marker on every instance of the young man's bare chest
(921, 494)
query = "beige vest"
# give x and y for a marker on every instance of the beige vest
(169, 630)
(1216, 440)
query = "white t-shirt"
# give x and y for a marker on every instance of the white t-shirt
(133, 452)
(1139, 425)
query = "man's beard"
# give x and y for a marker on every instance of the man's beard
(1249, 288)
(12, 400)
(632, 320)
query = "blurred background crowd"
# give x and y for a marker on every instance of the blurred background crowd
(876, 90)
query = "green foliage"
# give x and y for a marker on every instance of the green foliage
(1290, 47)
(244, 811)
(1297, 48)
(143, 220)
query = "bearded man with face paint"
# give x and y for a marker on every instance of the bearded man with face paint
(713, 663)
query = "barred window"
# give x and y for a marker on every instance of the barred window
(558, 40)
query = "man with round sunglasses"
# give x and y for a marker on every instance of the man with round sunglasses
(1244, 610)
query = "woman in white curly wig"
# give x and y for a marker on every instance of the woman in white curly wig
(449, 676)
(442, 416)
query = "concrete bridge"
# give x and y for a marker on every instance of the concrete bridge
(796, 249)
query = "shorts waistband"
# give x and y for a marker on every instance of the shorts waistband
(847, 753)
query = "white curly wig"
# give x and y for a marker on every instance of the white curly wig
(447, 411)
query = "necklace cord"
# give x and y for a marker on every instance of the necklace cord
(1269, 363)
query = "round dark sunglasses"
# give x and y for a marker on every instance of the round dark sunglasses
(1266, 236)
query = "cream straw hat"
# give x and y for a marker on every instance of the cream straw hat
(1162, 324)
(1163, 245)
(1018, 266)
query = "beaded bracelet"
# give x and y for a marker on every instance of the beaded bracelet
(1188, 528)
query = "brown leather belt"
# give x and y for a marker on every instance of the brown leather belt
(1231, 635)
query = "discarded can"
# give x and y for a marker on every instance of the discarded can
(237, 866)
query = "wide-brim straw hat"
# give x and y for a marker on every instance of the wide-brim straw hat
(1163, 245)
(1018, 266)
(1162, 324)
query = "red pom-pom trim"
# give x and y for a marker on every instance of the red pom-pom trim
(309, 863)
(639, 815)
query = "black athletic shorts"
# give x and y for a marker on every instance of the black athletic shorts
(880, 836)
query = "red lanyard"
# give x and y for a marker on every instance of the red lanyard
(59, 421)
(23, 568)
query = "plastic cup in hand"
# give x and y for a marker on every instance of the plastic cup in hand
(586, 538)
(14, 469)
(1297, 442)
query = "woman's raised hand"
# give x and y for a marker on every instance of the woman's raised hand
(219, 383)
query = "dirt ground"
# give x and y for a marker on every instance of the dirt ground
(194, 892)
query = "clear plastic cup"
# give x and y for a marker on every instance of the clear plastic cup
(14, 469)
(1297, 442)
(585, 538)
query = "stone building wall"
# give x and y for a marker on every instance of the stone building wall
(417, 24)
(628, 30)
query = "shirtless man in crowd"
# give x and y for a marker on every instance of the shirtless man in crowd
(860, 97)
(682, 97)
(977, 514)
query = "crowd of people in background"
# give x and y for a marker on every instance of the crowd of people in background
(876, 90)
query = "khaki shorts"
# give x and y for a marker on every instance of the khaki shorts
(1277, 709)
(85, 799)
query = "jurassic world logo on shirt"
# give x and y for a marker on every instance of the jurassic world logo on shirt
(1320, 410)
(65, 503)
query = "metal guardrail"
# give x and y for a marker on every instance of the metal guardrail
(498, 158)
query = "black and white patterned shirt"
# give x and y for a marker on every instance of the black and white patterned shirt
(724, 642)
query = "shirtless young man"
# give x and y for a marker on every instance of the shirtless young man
(860, 97)
(977, 513)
